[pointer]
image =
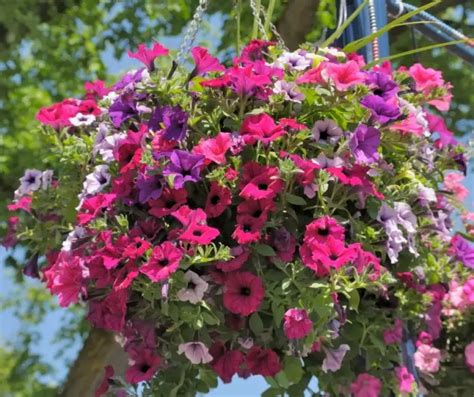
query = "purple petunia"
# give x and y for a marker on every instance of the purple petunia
(364, 144)
(184, 167)
(172, 119)
(463, 251)
(381, 85)
(149, 187)
(381, 110)
(122, 109)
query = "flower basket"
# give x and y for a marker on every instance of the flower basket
(287, 216)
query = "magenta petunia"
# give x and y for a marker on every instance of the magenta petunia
(143, 368)
(405, 379)
(163, 262)
(147, 56)
(296, 324)
(226, 363)
(366, 385)
(243, 293)
(343, 75)
(264, 362)
(322, 228)
(218, 199)
(204, 62)
(260, 127)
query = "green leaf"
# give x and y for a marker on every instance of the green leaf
(295, 200)
(282, 380)
(278, 312)
(354, 299)
(272, 392)
(293, 369)
(264, 250)
(256, 324)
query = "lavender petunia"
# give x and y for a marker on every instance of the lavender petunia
(194, 292)
(382, 111)
(382, 85)
(333, 360)
(294, 60)
(149, 187)
(326, 131)
(97, 180)
(196, 352)
(364, 144)
(173, 121)
(132, 77)
(406, 217)
(289, 90)
(184, 167)
(31, 181)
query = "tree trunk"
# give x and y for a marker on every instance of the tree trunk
(100, 349)
(297, 21)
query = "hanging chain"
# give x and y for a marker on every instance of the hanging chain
(373, 28)
(191, 31)
(256, 14)
(342, 13)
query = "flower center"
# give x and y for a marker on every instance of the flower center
(163, 262)
(257, 214)
(333, 257)
(144, 368)
(246, 228)
(323, 135)
(197, 233)
(378, 92)
(245, 291)
(323, 231)
(263, 186)
(215, 199)
(169, 204)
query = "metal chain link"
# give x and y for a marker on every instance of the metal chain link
(373, 28)
(191, 31)
(256, 14)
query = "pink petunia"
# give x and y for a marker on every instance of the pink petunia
(226, 363)
(260, 127)
(322, 228)
(147, 56)
(263, 362)
(215, 149)
(427, 358)
(469, 356)
(452, 183)
(204, 62)
(343, 75)
(426, 79)
(394, 334)
(406, 380)
(163, 262)
(143, 368)
(218, 199)
(366, 386)
(243, 293)
(169, 201)
(296, 324)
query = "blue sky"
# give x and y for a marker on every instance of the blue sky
(53, 321)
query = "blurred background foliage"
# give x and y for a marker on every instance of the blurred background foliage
(49, 48)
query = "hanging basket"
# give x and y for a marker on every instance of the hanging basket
(284, 216)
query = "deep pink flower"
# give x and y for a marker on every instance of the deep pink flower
(366, 259)
(313, 76)
(427, 358)
(243, 293)
(143, 368)
(394, 334)
(240, 256)
(344, 75)
(67, 279)
(58, 115)
(260, 127)
(284, 244)
(218, 199)
(105, 384)
(199, 234)
(322, 228)
(436, 124)
(169, 201)
(109, 313)
(426, 79)
(452, 183)
(163, 262)
(10, 239)
(147, 56)
(296, 324)
(214, 149)
(405, 380)
(24, 203)
(265, 185)
(366, 386)
(92, 207)
(204, 62)
(263, 362)
(469, 356)
(136, 248)
(226, 363)
(257, 209)
(95, 89)
(248, 229)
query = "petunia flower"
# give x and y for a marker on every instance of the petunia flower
(382, 111)
(184, 167)
(143, 368)
(147, 56)
(226, 363)
(30, 182)
(218, 199)
(168, 202)
(263, 362)
(82, 119)
(204, 62)
(196, 352)
(122, 109)
(248, 229)
(382, 85)
(260, 127)
(150, 186)
(326, 131)
(426, 79)
(406, 380)
(343, 75)
(322, 228)
(240, 255)
(109, 313)
(265, 185)
(364, 144)
(366, 386)
(334, 357)
(296, 324)
(171, 120)
(164, 261)
(289, 90)
(427, 358)
(243, 293)
(215, 149)
(469, 356)
(97, 180)
(463, 251)
(393, 335)
(194, 291)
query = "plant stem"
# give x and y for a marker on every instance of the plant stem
(255, 19)
(268, 17)
(238, 9)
